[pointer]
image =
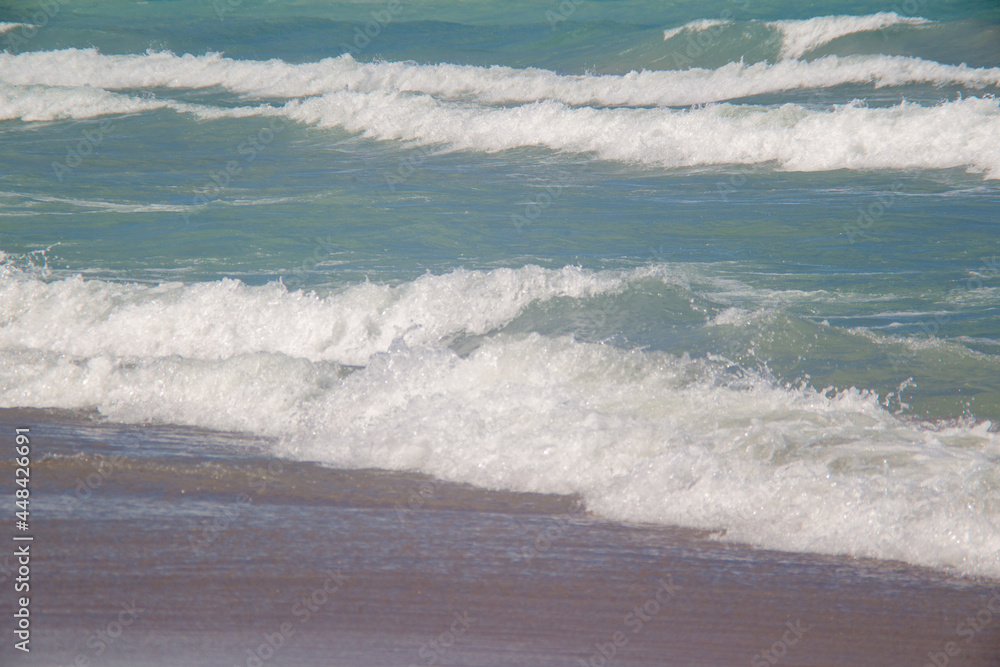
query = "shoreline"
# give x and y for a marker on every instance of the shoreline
(307, 564)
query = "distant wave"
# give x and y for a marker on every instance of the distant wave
(809, 34)
(799, 37)
(700, 25)
(490, 85)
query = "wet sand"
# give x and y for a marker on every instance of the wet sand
(161, 546)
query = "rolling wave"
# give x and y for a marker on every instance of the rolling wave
(495, 109)
(641, 435)
(906, 136)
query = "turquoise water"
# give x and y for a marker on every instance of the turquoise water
(733, 264)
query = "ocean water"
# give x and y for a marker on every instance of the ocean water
(727, 265)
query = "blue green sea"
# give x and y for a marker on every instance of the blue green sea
(729, 265)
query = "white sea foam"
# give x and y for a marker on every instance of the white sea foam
(643, 436)
(803, 36)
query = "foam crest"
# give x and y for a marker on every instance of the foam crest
(907, 136)
(4, 26)
(218, 320)
(694, 26)
(40, 103)
(803, 36)
(952, 134)
(486, 85)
